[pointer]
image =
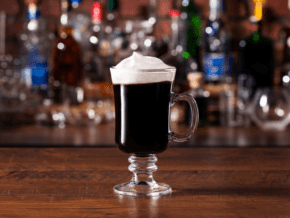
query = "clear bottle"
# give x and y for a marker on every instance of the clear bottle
(114, 33)
(215, 43)
(139, 33)
(94, 63)
(177, 55)
(35, 51)
(81, 20)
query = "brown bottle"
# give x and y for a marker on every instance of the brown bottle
(66, 61)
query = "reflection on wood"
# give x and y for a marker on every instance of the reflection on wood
(104, 135)
(206, 182)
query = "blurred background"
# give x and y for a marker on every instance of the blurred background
(231, 55)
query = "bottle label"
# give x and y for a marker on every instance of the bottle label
(33, 15)
(214, 66)
(36, 75)
(39, 74)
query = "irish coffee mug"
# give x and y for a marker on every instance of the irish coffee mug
(142, 107)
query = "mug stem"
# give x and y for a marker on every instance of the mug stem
(142, 182)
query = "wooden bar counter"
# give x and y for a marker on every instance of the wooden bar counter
(70, 172)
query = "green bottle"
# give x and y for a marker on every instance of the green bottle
(257, 59)
(192, 18)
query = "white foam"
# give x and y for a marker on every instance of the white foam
(139, 69)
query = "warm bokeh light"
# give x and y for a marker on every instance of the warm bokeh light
(258, 10)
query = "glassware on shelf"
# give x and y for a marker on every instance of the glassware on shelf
(50, 114)
(270, 108)
(13, 92)
(235, 101)
(96, 106)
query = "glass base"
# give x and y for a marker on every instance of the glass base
(142, 183)
(142, 189)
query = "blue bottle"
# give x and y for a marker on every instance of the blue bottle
(215, 45)
(35, 46)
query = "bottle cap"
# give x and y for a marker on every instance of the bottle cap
(97, 13)
(27, 2)
(112, 5)
(175, 13)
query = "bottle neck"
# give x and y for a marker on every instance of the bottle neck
(256, 33)
(112, 11)
(33, 12)
(65, 31)
(112, 5)
(215, 9)
(178, 41)
(97, 13)
(175, 15)
(66, 27)
(152, 12)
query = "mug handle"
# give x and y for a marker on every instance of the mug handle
(195, 116)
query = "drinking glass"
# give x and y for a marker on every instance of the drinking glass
(271, 109)
(235, 102)
(13, 92)
(143, 128)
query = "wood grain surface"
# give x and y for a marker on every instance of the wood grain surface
(206, 182)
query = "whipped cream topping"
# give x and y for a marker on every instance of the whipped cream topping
(139, 69)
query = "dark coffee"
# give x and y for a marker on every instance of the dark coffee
(142, 117)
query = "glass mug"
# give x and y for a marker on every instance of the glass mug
(143, 128)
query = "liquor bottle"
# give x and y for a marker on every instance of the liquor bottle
(113, 37)
(139, 34)
(80, 19)
(192, 21)
(256, 55)
(215, 46)
(67, 74)
(144, 30)
(94, 63)
(35, 47)
(112, 29)
(178, 55)
(112, 13)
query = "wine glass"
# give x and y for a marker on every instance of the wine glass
(271, 108)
